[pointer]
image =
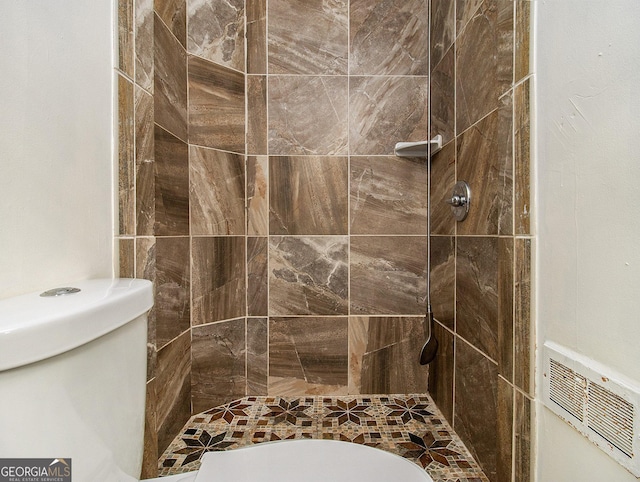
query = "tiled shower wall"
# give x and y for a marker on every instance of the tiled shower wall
(481, 268)
(260, 193)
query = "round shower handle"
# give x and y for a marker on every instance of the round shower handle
(460, 200)
(457, 201)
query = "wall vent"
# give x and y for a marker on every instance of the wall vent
(601, 404)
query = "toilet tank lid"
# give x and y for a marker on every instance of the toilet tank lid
(34, 327)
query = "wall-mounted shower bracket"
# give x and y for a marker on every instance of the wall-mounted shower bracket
(460, 200)
(419, 149)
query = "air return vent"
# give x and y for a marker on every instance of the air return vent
(599, 403)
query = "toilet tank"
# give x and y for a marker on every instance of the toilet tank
(72, 377)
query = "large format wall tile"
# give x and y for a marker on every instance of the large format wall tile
(216, 106)
(171, 185)
(257, 195)
(308, 275)
(443, 28)
(388, 275)
(308, 355)
(388, 195)
(256, 36)
(218, 364)
(307, 115)
(386, 110)
(389, 38)
(384, 351)
(172, 288)
(126, 161)
(522, 437)
(144, 43)
(146, 269)
(173, 389)
(257, 114)
(476, 406)
(125, 37)
(308, 195)
(257, 276)
(522, 173)
(443, 279)
(217, 192)
(504, 430)
(505, 307)
(523, 336)
(441, 371)
(443, 179)
(476, 67)
(477, 293)
(216, 31)
(218, 278)
(174, 15)
(523, 31)
(443, 98)
(170, 81)
(145, 177)
(257, 355)
(485, 161)
(308, 36)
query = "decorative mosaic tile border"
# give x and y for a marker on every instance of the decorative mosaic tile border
(407, 425)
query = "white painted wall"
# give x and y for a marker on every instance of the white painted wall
(56, 137)
(587, 124)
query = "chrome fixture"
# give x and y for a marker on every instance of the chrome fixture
(460, 200)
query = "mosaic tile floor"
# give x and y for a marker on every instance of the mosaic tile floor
(408, 425)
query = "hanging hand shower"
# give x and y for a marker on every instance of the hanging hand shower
(425, 150)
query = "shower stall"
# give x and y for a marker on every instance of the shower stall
(259, 190)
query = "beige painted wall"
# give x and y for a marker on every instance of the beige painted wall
(56, 136)
(587, 122)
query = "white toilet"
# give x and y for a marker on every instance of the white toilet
(72, 378)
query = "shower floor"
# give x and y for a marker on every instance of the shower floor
(407, 425)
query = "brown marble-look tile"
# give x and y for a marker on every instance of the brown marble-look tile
(146, 269)
(443, 179)
(477, 87)
(389, 38)
(216, 106)
(465, 10)
(441, 372)
(522, 33)
(388, 195)
(257, 276)
(218, 364)
(443, 28)
(257, 114)
(125, 37)
(522, 440)
(126, 163)
(256, 36)
(171, 184)
(504, 49)
(172, 288)
(505, 308)
(150, 450)
(308, 275)
(216, 31)
(218, 279)
(144, 43)
(308, 195)
(388, 275)
(173, 389)
(257, 195)
(522, 175)
(477, 293)
(308, 356)
(484, 160)
(523, 363)
(308, 115)
(387, 355)
(145, 177)
(443, 98)
(170, 81)
(216, 194)
(257, 356)
(476, 407)
(174, 15)
(126, 265)
(386, 110)
(308, 37)
(443, 276)
(504, 429)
